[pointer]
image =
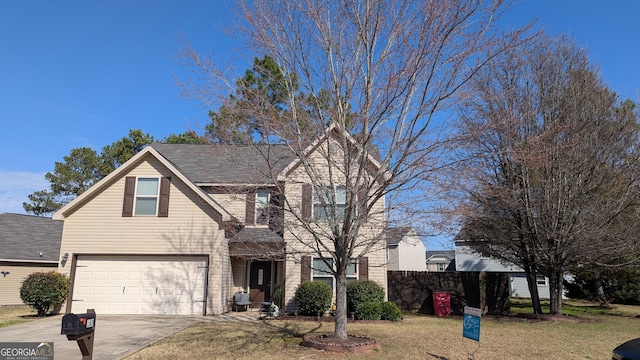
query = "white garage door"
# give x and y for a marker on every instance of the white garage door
(140, 285)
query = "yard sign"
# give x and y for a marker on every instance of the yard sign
(471, 324)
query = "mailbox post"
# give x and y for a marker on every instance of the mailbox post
(80, 327)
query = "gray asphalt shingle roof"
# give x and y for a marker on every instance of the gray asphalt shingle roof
(227, 164)
(24, 237)
(256, 243)
(450, 254)
(396, 234)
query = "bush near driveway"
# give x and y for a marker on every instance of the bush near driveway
(44, 290)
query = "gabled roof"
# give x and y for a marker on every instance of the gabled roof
(373, 155)
(216, 164)
(396, 234)
(448, 254)
(124, 168)
(26, 237)
(220, 164)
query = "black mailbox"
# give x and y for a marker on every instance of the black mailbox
(76, 324)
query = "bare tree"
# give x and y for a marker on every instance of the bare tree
(377, 73)
(552, 176)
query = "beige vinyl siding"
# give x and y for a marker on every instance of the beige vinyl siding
(192, 227)
(295, 236)
(10, 283)
(235, 204)
(240, 268)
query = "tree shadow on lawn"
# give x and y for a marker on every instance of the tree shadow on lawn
(286, 330)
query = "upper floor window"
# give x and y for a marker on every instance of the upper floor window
(146, 196)
(147, 191)
(262, 207)
(323, 203)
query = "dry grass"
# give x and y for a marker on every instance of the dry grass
(416, 337)
(15, 314)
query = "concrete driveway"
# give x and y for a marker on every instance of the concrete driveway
(116, 336)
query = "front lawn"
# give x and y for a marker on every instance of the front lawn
(15, 314)
(586, 334)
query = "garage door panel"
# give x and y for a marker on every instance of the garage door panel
(83, 276)
(134, 275)
(117, 275)
(99, 275)
(140, 286)
(113, 290)
(97, 291)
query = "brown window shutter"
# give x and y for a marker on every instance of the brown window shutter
(307, 192)
(163, 204)
(129, 195)
(363, 268)
(305, 271)
(250, 212)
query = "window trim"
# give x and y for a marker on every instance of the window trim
(137, 196)
(316, 202)
(317, 274)
(258, 211)
(129, 197)
(320, 275)
(541, 280)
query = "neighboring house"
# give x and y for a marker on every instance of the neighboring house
(29, 244)
(405, 250)
(179, 228)
(440, 260)
(469, 260)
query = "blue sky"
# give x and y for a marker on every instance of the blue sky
(82, 73)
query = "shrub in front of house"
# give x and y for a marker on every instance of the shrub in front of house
(44, 290)
(390, 311)
(361, 291)
(313, 297)
(369, 310)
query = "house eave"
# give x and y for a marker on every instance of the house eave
(25, 261)
(282, 176)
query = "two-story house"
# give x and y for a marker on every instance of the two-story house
(180, 228)
(405, 249)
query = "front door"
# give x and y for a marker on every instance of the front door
(260, 282)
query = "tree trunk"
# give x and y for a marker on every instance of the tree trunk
(533, 289)
(340, 330)
(555, 292)
(600, 291)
